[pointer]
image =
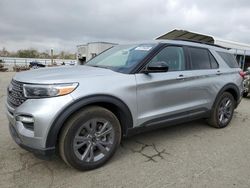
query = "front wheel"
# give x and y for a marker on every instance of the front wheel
(222, 111)
(90, 138)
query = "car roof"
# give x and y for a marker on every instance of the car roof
(188, 43)
(195, 44)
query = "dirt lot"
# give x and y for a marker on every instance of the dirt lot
(188, 155)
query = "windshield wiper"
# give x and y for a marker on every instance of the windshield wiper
(98, 66)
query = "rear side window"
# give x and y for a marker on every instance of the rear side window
(229, 59)
(214, 64)
(202, 59)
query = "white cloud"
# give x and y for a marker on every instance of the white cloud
(63, 24)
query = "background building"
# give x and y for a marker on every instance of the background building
(87, 51)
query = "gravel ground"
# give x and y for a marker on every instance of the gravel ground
(187, 155)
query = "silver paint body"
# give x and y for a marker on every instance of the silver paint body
(148, 96)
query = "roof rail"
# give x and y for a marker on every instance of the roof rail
(202, 42)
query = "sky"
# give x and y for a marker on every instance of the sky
(63, 24)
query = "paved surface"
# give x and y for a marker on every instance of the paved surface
(188, 155)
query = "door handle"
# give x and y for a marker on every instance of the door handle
(180, 77)
(218, 73)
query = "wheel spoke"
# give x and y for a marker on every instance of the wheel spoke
(86, 153)
(93, 123)
(223, 103)
(80, 139)
(104, 127)
(221, 117)
(220, 111)
(78, 146)
(101, 148)
(228, 114)
(104, 143)
(87, 126)
(91, 154)
(105, 132)
(228, 104)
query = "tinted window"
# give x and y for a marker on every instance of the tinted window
(214, 64)
(229, 59)
(173, 56)
(199, 58)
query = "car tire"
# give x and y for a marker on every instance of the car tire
(245, 94)
(222, 111)
(89, 138)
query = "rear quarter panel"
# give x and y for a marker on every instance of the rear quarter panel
(228, 75)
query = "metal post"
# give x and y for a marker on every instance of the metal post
(51, 52)
(243, 66)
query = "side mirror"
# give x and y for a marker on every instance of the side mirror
(158, 66)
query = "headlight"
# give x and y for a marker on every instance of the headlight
(43, 91)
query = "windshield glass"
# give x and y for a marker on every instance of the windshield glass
(122, 58)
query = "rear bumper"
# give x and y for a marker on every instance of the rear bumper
(246, 90)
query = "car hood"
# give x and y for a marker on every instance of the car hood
(63, 74)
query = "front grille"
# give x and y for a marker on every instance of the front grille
(15, 94)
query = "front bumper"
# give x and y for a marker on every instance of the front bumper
(44, 152)
(44, 112)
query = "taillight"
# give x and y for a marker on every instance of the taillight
(242, 74)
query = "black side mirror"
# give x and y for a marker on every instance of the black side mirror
(158, 66)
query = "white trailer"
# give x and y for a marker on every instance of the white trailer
(87, 51)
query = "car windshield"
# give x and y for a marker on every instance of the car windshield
(121, 58)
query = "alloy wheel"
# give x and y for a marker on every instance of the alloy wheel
(225, 110)
(93, 140)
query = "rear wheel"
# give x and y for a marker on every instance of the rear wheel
(222, 111)
(90, 138)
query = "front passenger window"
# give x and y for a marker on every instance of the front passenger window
(173, 56)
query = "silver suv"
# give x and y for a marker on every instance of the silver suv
(83, 111)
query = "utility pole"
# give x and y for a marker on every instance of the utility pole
(243, 66)
(51, 54)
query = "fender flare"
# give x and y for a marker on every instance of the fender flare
(228, 86)
(58, 123)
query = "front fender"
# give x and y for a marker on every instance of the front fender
(81, 103)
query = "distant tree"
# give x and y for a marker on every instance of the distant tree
(62, 55)
(30, 53)
(4, 52)
(65, 55)
(33, 53)
(44, 55)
